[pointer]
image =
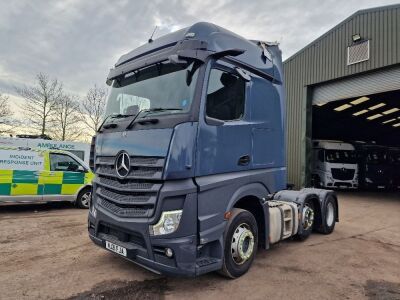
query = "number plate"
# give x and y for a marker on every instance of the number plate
(115, 248)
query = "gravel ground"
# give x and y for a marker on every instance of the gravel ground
(45, 253)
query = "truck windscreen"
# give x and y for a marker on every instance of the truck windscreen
(161, 86)
(376, 157)
(340, 156)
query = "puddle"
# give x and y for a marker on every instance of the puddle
(125, 290)
(379, 290)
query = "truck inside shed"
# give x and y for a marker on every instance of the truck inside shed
(371, 123)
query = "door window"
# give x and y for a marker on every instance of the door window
(63, 162)
(225, 96)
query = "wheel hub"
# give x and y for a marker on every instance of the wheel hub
(242, 245)
(308, 217)
(85, 199)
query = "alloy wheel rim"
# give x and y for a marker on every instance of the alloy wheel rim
(308, 217)
(85, 199)
(242, 244)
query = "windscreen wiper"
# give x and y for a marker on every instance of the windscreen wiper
(143, 119)
(112, 116)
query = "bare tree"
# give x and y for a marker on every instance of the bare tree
(6, 122)
(67, 118)
(93, 108)
(41, 101)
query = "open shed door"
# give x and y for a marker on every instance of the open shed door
(366, 84)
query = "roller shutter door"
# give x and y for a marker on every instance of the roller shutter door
(360, 85)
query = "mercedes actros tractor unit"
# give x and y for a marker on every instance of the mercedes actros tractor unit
(190, 167)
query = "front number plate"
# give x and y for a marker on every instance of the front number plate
(115, 248)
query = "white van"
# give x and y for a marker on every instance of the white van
(82, 150)
(36, 176)
(334, 165)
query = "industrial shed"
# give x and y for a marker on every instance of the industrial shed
(344, 86)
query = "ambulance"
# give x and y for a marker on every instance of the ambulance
(35, 176)
(82, 150)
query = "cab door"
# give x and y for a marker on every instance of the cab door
(64, 177)
(224, 137)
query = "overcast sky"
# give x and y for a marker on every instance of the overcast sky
(78, 41)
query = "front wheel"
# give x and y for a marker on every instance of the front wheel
(83, 199)
(241, 241)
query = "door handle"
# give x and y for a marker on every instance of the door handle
(244, 160)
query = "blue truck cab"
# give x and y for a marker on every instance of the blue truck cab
(190, 161)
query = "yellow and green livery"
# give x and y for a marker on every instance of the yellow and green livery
(32, 176)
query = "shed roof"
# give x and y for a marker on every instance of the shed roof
(357, 13)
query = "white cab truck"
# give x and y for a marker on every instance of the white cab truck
(334, 165)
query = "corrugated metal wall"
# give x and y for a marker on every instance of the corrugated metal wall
(325, 59)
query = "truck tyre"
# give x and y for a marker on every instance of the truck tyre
(328, 223)
(240, 243)
(307, 221)
(83, 199)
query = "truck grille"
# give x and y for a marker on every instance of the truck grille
(342, 174)
(136, 194)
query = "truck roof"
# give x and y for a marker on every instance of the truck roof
(332, 145)
(217, 39)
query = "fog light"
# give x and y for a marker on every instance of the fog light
(168, 252)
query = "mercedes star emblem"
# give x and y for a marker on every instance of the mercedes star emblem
(122, 164)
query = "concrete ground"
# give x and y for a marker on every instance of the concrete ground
(45, 253)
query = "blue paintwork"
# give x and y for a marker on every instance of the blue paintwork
(153, 142)
(217, 39)
(180, 162)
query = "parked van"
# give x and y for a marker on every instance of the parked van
(81, 150)
(334, 165)
(33, 176)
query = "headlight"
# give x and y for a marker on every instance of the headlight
(168, 223)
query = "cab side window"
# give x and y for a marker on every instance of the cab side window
(63, 162)
(225, 96)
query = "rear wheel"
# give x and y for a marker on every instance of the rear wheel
(241, 241)
(330, 216)
(83, 199)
